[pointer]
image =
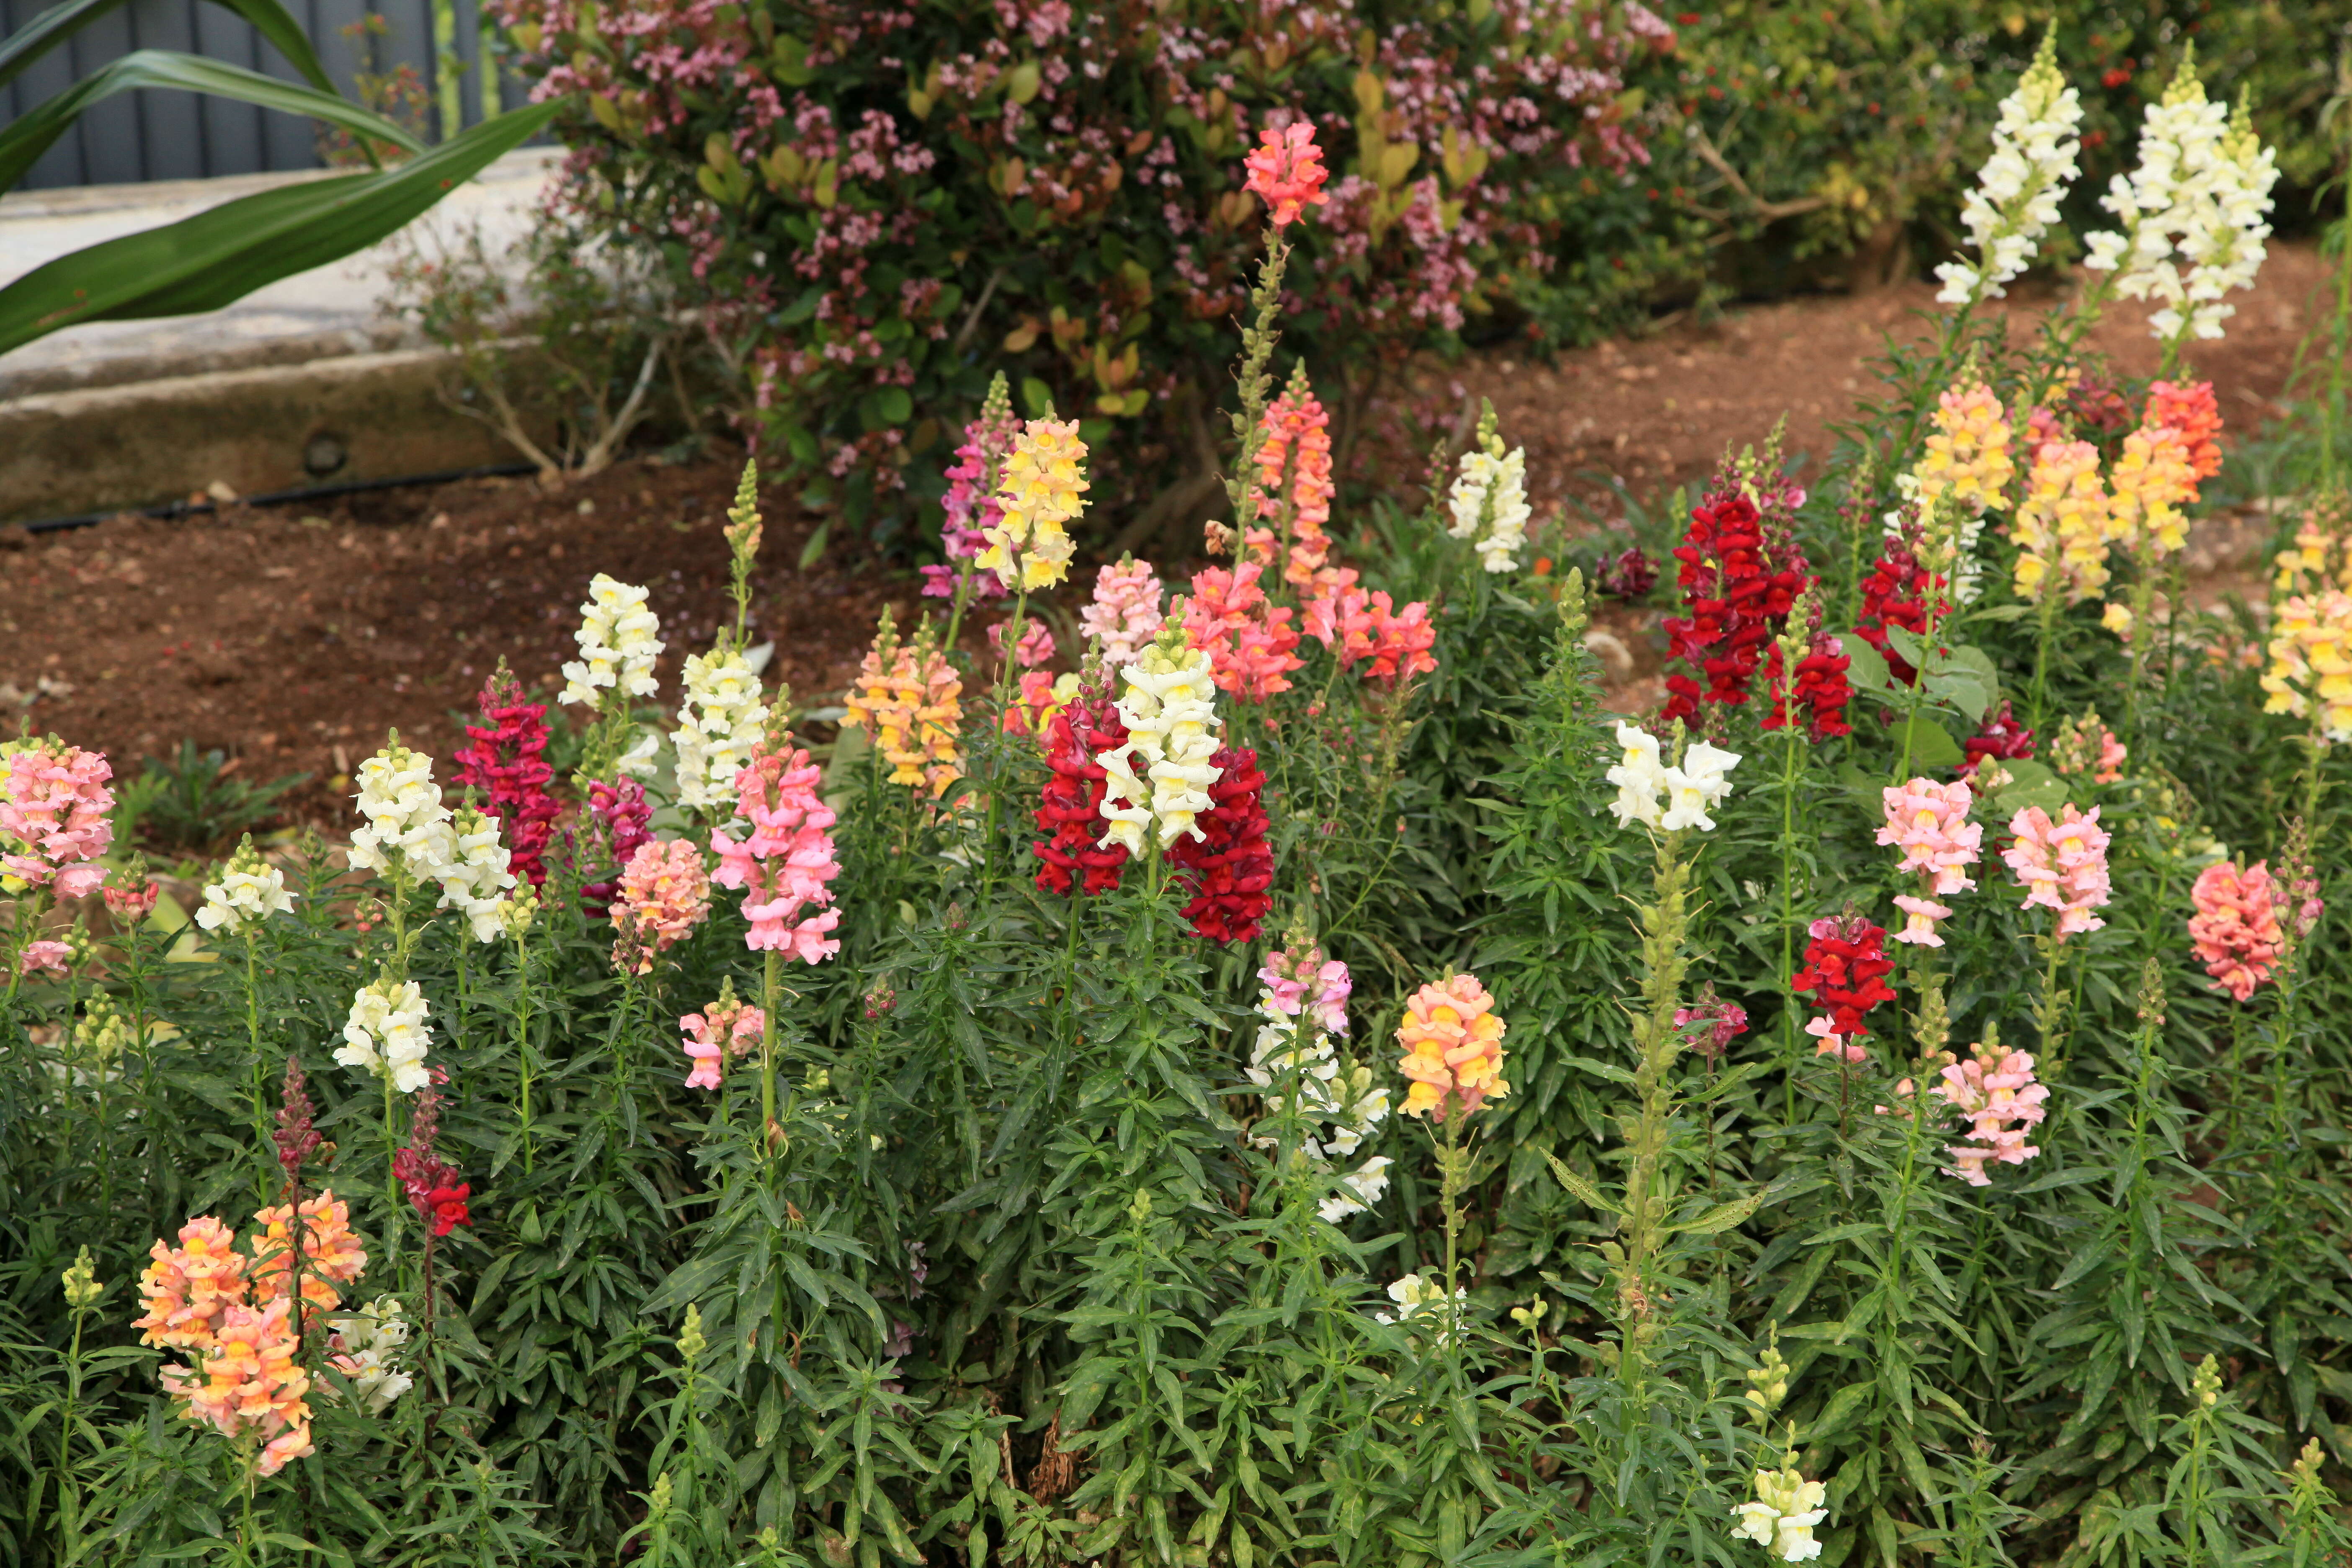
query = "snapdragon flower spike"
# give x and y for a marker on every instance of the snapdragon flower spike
(1393, 646)
(1822, 691)
(1042, 488)
(1738, 594)
(1711, 1023)
(2310, 670)
(250, 1380)
(385, 1034)
(1995, 1089)
(248, 891)
(2085, 746)
(1899, 591)
(1069, 809)
(1845, 970)
(366, 1345)
(2022, 182)
(785, 861)
(1294, 439)
(407, 827)
(130, 893)
(908, 699)
(506, 764)
(476, 877)
(55, 804)
(2000, 738)
(1305, 983)
(1158, 777)
(1125, 612)
(620, 814)
(1286, 173)
(1452, 1041)
(295, 1138)
(970, 501)
(1626, 576)
(665, 893)
(2151, 481)
(1929, 822)
(1228, 862)
(1249, 639)
(2061, 865)
(2061, 525)
(725, 1029)
(619, 641)
(332, 1253)
(2239, 926)
(1787, 1510)
(719, 725)
(2191, 411)
(1489, 499)
(1668, 799)
(434, 1187)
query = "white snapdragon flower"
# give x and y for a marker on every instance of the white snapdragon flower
(474, 878)
(1363, 1187)
(405, 819)
(642, 760)
(1170, 720)
(1640, 778)
(1782, 1517)
(2224, 234)
(1702, 780)
(366, 1346)
(1416, 1297)
(1296, 1050)
(2020, 185)
(1489, 502)
(619, 639)
(248, 891)
(386, 1034)
(719, 724)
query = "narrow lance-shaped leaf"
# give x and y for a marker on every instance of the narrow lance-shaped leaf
(53, 27)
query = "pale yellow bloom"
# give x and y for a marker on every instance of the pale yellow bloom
(1041, 489)
(2310, 673)
(2153, 479)
(1968, 456)
(2061, 526)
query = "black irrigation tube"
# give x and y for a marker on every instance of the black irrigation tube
(180, 509)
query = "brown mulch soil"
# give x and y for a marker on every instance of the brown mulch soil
(292, 638)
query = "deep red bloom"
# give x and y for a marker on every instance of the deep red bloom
(444, 1206)
(1232, 865)
(1070, 808)
(508, 764)
(1822, 689)
(620, 815)
(431, 1183)
(1738, 592)
(1847, 968)
(2002, 737)
(1627, 576)
(1895, 593)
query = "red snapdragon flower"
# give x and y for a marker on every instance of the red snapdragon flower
(1286, 171)
(1822, 691)
(1845, 968)
(2002, 738)
(1895, 593)
(1070, 806)
(508, 763)
(1231, 865)
(1738, 592)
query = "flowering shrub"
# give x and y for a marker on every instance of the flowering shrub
(860, 194)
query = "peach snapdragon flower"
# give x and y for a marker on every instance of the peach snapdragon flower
(2061, 865)
(2238, 930)
(1995, 1090)
(664, 894)
(1454, 1048)
(908, 699)
(54, 817)
(1968, 456)
(727, 1027)
(1125, 612)
(1287, 171)
(783, 863)
(1294, 443)
(2155, 477)
(1041, 489)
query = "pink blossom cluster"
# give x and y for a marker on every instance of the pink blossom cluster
(665, 893)
(620, 814)
(2061, 865)
(1295, 443)
(2237, 929)
(1248, 638)
(971, 505)
(1929, 822)
(1032, 648)
(1711, 1023)
(1287, 171)
(54, 804)
(1359, 624)
(1304, 981)
(1125, 612)
(725, 1028)
(783, 865)
(1995, 1090)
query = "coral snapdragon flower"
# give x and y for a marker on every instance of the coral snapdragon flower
(1454, 1048)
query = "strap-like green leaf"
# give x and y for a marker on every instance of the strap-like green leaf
(53, 26)
(223, 253)
(29, 135)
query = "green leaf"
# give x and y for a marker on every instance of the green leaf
(1584, 1192)
(1721, 1217)
(1037, 397)
(223, 253)
(1932, 745)
(814, 547)
(32, 133)
(1867, 673)
(53, 26)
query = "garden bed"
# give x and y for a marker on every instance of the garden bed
(292, 637)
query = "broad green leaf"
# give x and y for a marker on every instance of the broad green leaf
(1721, 1217)
(24, 140)
(53, 26)
(1584, 1192)
(224, 253)
(1867, 672)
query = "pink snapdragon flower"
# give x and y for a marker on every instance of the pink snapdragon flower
(972, 504)
(664, 894)
(1033, 648)
(2061, 865)
(1125, 612)
(131, 895)
(1287, 171)
(725, 1028)
(1997, 1092)
(783, 865)
(43, 958)
(54, 800)
(1248, 639)
(1306, 980)
(1711, 1023)
(1929, 822)
(2237, 927)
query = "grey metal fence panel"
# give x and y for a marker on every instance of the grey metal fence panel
(178, 135)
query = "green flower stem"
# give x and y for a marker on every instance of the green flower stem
(257, 1088)
(1663, 922)
(1789, 1027)
(1254, 383)
(522, 1039)
(769, 974)
(2048, 636)
(2050, 1013)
